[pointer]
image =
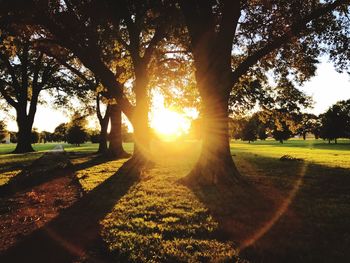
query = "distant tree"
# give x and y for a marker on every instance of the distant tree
(236, 126)
(13, 137)
(336, 122)
(60, 133)
(262, 132)
(2, 130)
(316, 130)
(250, 130)
(307, 123)
(126, 135)
(45, 137)
(24, 74)
(35, 136)
(94, 136)
(281, 132)
(76, 132)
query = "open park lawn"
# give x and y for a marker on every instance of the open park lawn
(75, 206)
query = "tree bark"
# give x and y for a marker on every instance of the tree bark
(215, 164)
(141, 126)
(304, 136)
(102, 146)
(103, 120)
(24, 134)
(115, 137)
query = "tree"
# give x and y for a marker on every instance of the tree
(265, 36)
(35, 136)
(24, 73)
(336, 121)
(45, 137)
(307, 124)
(115, 135)
(103, 120)
(94, 136)
(281, 132)
(2, 130)
(250, 130)
(76, 132)
(60, 133)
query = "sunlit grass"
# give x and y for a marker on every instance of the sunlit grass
(316, 151)
(159, 219)
(91, 177)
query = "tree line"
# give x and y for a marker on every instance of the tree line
(331, 125)
(119, 48)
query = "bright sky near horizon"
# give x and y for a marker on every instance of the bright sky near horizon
(326, 88)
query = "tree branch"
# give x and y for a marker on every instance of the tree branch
(11, 70)
(7, 97)
(292, 31)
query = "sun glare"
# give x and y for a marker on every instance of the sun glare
(167, 123)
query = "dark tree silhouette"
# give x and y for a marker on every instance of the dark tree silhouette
(267, 36)
(24, 73)
(2, 130)
(336, 121)
(76, 131)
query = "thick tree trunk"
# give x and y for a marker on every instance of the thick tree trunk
(215, 164)
(115, 137)
(102, 146)
(24, 135)
(141, 127)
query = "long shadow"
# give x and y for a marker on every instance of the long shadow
(43, 169)
(18, 162)
(76, 229)
(95, 160)
(296, 216)
(46, 168)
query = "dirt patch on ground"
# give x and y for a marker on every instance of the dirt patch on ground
(24, 212)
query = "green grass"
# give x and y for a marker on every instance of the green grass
(315, 151)
(289, 212)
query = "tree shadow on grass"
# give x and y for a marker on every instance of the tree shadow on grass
(49, 166)
(299, 215)
(43, 169)
(70, 235)
(92, 160)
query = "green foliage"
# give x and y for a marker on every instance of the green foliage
(94, 136)
(281, 132)
(76, 130)
(250, 130)
(60, 132)
(35, 136)
(336, 121)
(2, 130)
(45, 137)
(76, 134)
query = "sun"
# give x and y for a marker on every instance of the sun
(169, 124)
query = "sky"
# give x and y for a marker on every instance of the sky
(326, 88)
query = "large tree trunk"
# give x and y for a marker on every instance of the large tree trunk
(102, 146)
(215, 164)
(141, 126)
(24, 135)
(103, 120)
(115, 137)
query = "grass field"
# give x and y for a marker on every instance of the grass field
(290, 211)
